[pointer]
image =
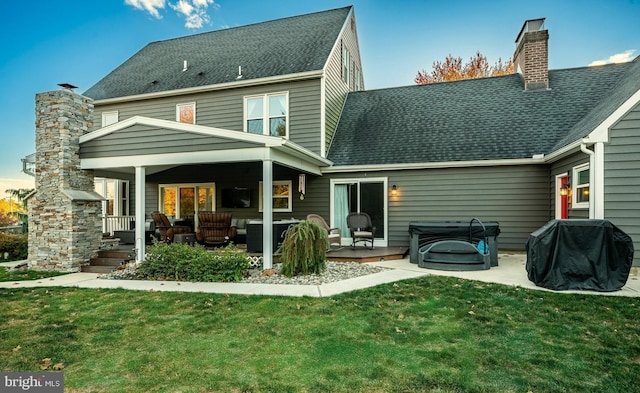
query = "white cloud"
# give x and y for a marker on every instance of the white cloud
(150, 6)
(623, 57)
(195, 12)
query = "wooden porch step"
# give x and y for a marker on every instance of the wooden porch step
(121, 254)
(106, 261)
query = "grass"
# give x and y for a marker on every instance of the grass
(433, 334)
(21, 275)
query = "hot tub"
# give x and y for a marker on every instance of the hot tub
(454, 242)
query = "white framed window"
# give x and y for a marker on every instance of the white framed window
(186, 113)
(346, 66)
(581, 191)
(116, 193)
(282, 193)
(267, 114)
(109, 118)
(358, 85)
(184, 201)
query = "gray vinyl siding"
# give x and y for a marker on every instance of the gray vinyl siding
(622, 177)
(517, 197)
(566, 165)
(225, 109)
(144, 139)
(335, 88)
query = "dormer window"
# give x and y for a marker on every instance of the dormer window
(267, 114)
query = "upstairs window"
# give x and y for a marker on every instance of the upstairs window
(346, 64)
(186, 113)
(267, 114)
(581, 186)
(109, 118)
(358, 85)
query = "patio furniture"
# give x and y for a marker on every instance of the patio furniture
(361, 228)
(189, 238)
(214, 229)
(164, 227)
(334, 234)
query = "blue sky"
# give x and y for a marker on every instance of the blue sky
(47, 42)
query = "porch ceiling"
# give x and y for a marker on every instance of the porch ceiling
(158, 145)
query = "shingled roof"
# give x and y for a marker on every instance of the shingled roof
(275, 48)
(478, 119)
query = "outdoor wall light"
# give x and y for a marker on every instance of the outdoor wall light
(394, 190)
(565, 189)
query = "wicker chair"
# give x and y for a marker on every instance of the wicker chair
(334, 234)
(164, 227)
(214, 229)
(361, 228)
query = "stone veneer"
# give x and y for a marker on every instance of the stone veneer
(65, 226)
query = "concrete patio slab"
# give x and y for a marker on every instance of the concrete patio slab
(510, 271)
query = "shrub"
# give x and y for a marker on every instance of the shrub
(16, 246)
(182, 262)
(304, 249)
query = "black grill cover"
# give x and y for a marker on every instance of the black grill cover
(579, 254)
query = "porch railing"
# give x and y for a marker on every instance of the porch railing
(117, 223)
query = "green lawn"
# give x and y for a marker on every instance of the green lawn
(433, 334)
(7, 274)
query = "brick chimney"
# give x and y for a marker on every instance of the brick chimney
(531, 57)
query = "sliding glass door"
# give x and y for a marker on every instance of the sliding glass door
(360, 195)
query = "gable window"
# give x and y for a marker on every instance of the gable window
(581, 186)
(346, 64)
(109, 118)
(186, 113)
(281, 196)
(267, 114)
(358, 85)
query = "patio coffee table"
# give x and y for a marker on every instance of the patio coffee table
(189, 238)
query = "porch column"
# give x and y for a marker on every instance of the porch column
(140, 213)
(267, 214)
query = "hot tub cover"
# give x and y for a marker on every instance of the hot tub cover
(579, 254)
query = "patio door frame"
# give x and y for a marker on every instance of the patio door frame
(346, 237)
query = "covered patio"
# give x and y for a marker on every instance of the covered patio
(160, 151)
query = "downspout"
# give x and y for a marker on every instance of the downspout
(596, 177)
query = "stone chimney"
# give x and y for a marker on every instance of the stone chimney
(65, 227)
(531, 57)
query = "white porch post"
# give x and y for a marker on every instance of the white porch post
(140, 213)
(267, 214)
